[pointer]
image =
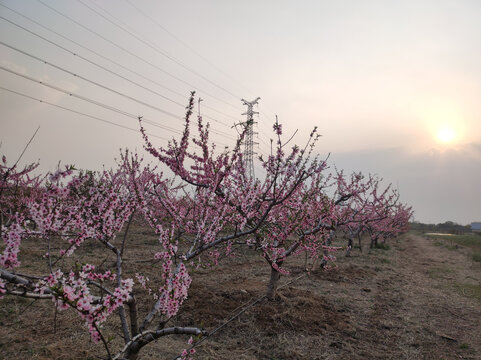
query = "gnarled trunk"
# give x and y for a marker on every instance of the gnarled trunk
(273, 282)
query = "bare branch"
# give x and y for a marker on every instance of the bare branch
(147, 337)
(25, 148)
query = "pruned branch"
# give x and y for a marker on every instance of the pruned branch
(147, 337)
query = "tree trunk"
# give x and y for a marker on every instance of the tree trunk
(133, 356)
(349, 247)
(273, 282)
(325, 252)
(134, 322)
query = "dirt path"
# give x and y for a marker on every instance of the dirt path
(439, 320)
(402, 303)
(412, 307)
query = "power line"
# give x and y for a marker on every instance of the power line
(111, 61)
(108, 107)
(97, 103)
(87, 80)
(263, 151)
(88, 60)
(104, 68)
(101, 67)
(88, 115)
(263, 141)
(132, 54)
(77, 112)
(101, 85)
(153, 47)
(149, 79)
(80, 45)
(155, 22)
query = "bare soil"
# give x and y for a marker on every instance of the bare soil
(416, 300)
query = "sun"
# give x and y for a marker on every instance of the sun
(446, 135)
(445, 123)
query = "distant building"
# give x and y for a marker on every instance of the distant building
(476, 227)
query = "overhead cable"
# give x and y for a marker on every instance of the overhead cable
(153, 47)
(77, 112)
(97, 103)
(97, 65)
(149, 79)
(133, 54)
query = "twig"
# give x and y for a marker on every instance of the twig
(100, 286)
(125, 234)
(25, 148)
(103, 340)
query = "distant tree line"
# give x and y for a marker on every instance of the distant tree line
(448, 227)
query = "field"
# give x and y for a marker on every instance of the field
(470, 243)
(419, 298)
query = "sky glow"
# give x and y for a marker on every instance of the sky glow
(393, 86)
(446, 135)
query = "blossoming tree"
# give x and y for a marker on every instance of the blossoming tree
(208, 208)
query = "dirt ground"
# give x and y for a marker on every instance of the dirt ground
(416, 300)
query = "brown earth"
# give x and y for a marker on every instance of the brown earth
(416, 300)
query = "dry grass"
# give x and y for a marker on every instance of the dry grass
(476, 256)
(413, 301)
(469, 290)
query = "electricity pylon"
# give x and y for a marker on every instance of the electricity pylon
(249, 137)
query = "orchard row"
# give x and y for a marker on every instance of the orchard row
(207, 209)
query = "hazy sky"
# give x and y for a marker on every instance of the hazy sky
(393, 86)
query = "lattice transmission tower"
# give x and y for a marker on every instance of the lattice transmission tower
(249, 137)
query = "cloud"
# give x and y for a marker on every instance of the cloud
(440, 184)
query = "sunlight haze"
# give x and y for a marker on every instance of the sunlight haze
(394, 87)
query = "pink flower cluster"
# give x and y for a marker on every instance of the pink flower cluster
(186, 354)
(12, 237)
(74, 291)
